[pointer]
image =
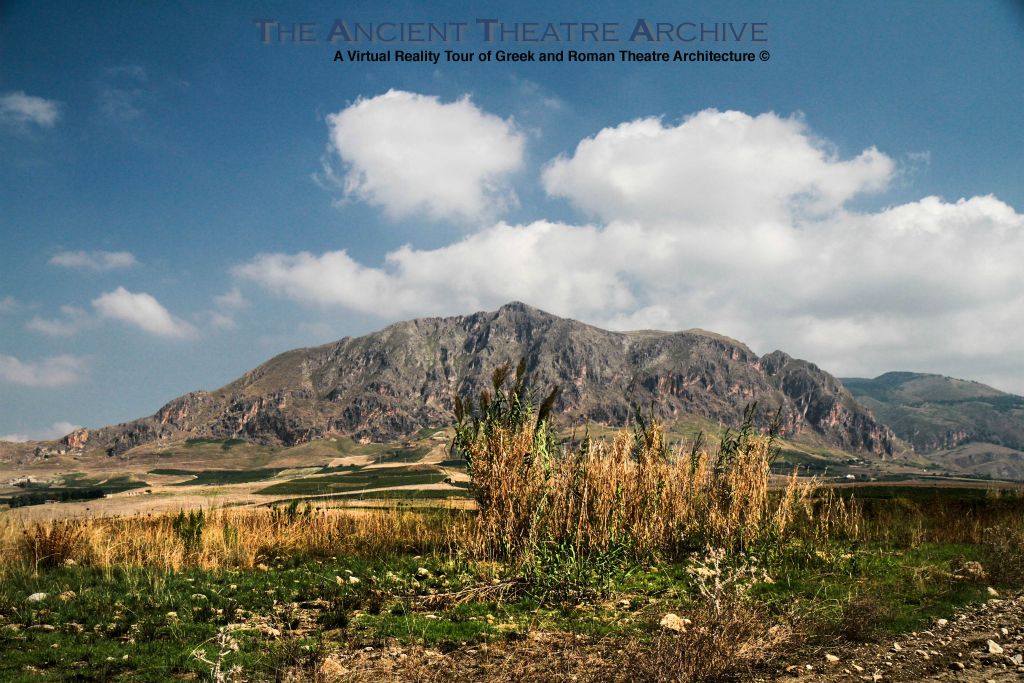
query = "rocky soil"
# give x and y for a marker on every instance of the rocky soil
(979, 644)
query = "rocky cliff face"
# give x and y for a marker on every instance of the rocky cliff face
(393, 382)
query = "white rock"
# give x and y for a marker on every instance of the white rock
(994, 648)
(422, 573)
(674, 622)
(831, 659)
(353, 580)
(941, 622)
(36, 597)
(993, 592)
(896, 647)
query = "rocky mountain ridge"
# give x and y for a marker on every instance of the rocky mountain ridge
(392, 383)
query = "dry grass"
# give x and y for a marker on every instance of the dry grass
(634, 492)
(242, 538)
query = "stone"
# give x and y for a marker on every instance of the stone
(896, 647)
(941, 622)
(994, 648)
(332, 669)
(36, 597)
(831, 658)
(353, 580)
(422, 573)
(673, 622)
(993, 592)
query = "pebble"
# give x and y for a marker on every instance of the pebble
(994, 648)
(36, 597)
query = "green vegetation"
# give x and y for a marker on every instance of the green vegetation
(143, 623)
(76, 486)
(214, 477)
(355, 481)
(603, 540)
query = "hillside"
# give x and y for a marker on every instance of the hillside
(392, 383)
(964, 424)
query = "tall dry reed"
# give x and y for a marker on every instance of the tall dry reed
(634, 492)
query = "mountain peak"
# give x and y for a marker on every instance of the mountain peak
(392, 383)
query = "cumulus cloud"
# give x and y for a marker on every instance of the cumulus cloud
(54, 371)
(19, 109)
(143, 311)
(96, 261)
(774, 257)
(70, 323)
(714, 168)
(414, 154)
(56, 430)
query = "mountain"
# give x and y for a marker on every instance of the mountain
(966, 424)
(392, 383)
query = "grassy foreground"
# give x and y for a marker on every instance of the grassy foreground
(623, 559)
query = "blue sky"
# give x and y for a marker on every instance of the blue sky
(179, 202)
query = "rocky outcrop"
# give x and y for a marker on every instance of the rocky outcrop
(391, 383)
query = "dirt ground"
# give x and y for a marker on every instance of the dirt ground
(980, 643)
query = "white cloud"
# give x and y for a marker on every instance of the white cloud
(485, 269)
(232, 299)
(71, 322)
(143, 311)
(19, 109)
(220, 321)
(8, 304)
(98, 261)
(413, 154)
(714, 168)
(56, 430)
(930, 285)
(50, 372)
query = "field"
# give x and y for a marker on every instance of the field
(626, 557)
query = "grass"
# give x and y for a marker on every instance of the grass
(112, 612)
(593, 542)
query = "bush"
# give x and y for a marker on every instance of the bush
(51, 544)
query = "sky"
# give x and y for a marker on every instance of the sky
(180, 199)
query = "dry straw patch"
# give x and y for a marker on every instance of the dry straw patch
(635, 492)
(218, 538)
